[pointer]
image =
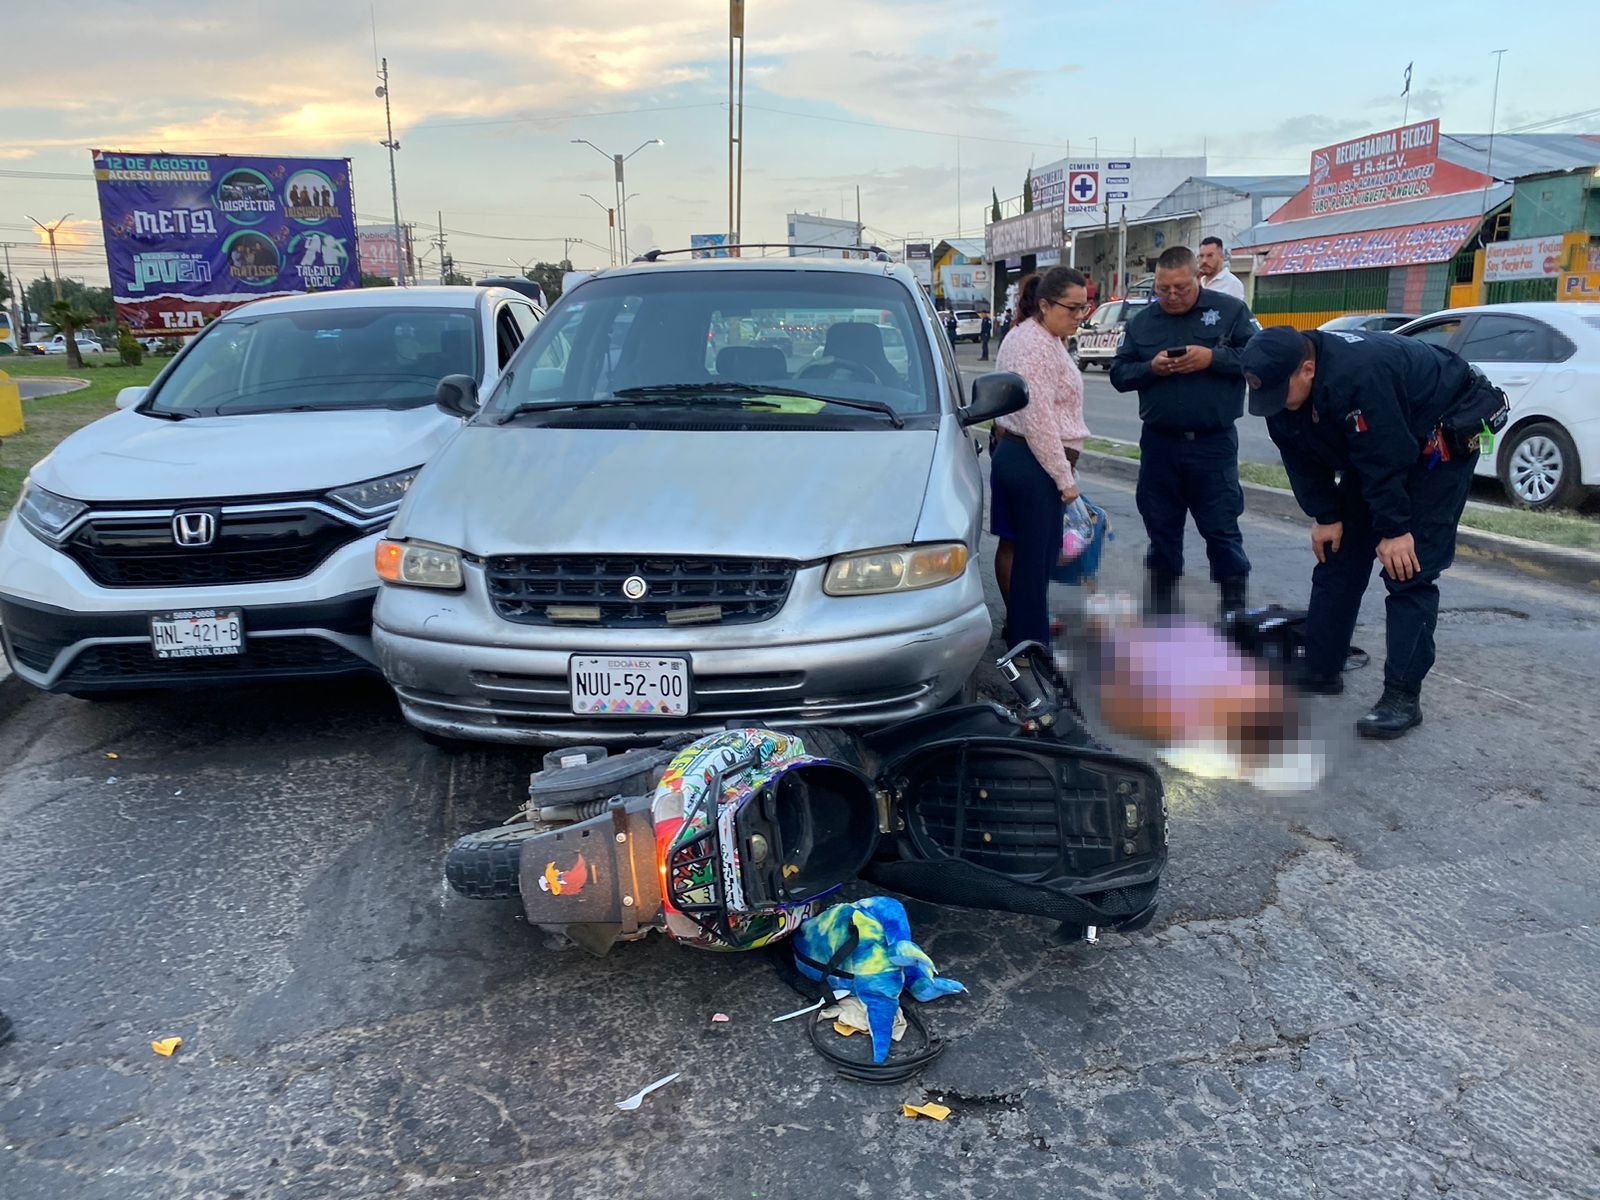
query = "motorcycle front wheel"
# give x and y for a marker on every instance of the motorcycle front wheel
(486, 865)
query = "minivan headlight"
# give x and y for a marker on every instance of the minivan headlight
(46, 513)
(376, 496)
(899, 569)
(418, 564)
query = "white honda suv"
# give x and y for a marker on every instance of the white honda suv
(220, 527)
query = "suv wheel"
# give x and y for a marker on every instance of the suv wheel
(1539, 468)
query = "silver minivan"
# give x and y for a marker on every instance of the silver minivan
(702, 492)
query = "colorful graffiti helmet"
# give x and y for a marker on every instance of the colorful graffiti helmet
(752, 833)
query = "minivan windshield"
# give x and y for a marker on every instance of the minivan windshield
(321, 360)
(848, 345)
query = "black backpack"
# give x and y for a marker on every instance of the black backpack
(1277, 636)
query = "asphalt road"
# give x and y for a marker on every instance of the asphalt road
(1384, 989)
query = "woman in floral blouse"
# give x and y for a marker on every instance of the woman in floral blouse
(1036, 450)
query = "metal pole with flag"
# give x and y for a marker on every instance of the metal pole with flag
(1407, 94)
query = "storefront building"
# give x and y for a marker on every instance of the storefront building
(1406, 221)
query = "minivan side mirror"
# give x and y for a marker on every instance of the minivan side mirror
(994, 395)
(128, 397)
(457, 395)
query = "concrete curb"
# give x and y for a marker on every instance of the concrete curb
(1556, 564)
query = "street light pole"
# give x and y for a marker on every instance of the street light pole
(55, 263)
(394, 188)
(611, 226)
(617, 161)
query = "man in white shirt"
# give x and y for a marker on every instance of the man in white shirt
(1214, 273)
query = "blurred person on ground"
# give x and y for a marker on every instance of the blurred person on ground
(1181, 355)
(1214, 273)
(1379, 435)
(1035, 451)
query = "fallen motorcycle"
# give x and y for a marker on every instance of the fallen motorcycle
(732, 841)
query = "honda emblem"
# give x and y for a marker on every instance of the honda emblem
(194, 529)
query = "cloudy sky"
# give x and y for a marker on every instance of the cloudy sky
(839, 93)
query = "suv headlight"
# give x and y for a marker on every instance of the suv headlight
(900, 569)
(418, 564)
(374, 497)
(46, 513)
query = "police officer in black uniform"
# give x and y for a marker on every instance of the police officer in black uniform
(1181, 355)
(1379, 435)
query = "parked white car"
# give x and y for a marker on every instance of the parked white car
(220, 527)
(87, 344)
(1545, 356)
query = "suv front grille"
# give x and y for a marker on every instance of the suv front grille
(587, 590)
(249, 547)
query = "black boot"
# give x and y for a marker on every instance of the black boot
(1161, 599)
(1234, 593)
(1395, 712)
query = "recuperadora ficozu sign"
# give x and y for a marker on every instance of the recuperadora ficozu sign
(189, 237)
(1036, 232)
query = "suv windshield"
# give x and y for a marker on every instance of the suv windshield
(845, 343)
(322, 359)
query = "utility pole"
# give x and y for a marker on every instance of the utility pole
(958, 185)
(16, 297)
(55, 263)
(439, 241)
(735, 123)
(1488, 165)
(394, 188)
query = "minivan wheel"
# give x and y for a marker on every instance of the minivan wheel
(1539, 468)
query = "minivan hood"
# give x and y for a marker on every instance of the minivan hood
(131, 457)
(792, 494)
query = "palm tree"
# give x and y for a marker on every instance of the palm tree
(65, 317)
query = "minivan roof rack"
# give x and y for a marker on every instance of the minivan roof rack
(877, 252)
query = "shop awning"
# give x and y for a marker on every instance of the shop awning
(1400, 246)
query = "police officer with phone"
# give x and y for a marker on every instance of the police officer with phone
(1181, 354)
(1379, 435)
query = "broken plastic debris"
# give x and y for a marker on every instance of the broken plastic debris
(166, 1046)
(720, 1018)
(937, 1111)
(633, 1101)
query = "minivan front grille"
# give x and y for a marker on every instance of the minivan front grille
(621, 591)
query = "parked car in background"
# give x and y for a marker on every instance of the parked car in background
(1381, 322)
(1099, 337)
(1546, 357)
(220, 527)
(87, 344)
(654, 525)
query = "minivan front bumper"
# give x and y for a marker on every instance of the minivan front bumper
(461, 671)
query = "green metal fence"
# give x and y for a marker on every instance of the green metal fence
(1324, 292)
(1509, 291)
